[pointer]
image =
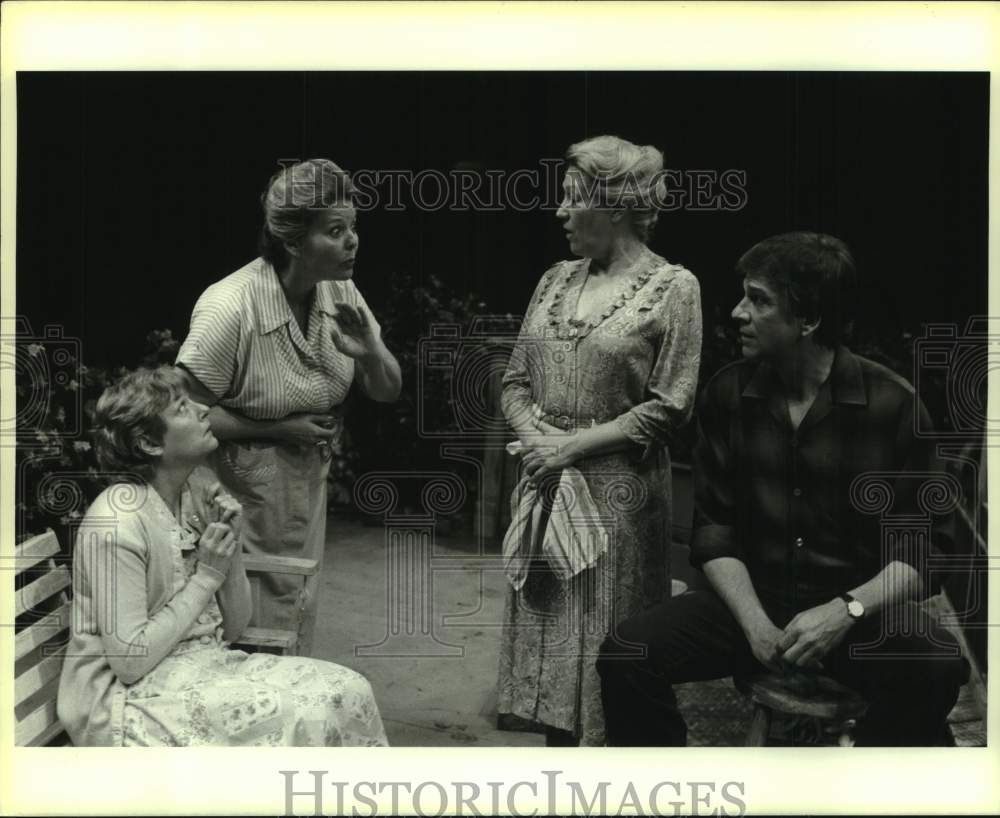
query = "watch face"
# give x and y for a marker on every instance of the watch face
(855, 609)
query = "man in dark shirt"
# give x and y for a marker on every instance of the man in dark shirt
(799, 445)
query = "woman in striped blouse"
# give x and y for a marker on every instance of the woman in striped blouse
(274, 348)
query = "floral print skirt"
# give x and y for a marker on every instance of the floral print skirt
(213, 695)
(553, 628)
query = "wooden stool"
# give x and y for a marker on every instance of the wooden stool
(804, 696)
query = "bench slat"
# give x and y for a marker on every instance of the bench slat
(33, 551)
(35, 678)
(36, 688)
(41, 589)
(280, 565)
(37, 727)
(49, 735)
(268, 638)
(46, 628)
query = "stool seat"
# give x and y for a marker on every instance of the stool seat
(797, 694)
(802, 695)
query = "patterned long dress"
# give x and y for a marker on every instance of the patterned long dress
(148, 664)
(633, 361)
(206, 693)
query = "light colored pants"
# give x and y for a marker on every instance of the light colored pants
(283, 492)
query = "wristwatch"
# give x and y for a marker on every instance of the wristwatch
(855, 609)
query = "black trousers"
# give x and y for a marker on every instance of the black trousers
(910, 671)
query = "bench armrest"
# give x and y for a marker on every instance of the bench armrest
(280, 565)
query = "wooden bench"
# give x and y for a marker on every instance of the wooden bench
(42, 618)
(258, 636)
(42, 610)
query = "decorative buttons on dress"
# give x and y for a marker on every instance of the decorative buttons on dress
(799, 542)
(797, 492)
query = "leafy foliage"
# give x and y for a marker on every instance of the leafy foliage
(386, 436)
(58, 475)
(57, 471)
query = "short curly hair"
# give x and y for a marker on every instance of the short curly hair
(626, 175)
(816, 277)
(129, 412)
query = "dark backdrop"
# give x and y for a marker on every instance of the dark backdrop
(136, 190)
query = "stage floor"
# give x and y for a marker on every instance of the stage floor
(430, 651)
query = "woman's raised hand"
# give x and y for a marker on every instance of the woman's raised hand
(354, 332)
(217, 546)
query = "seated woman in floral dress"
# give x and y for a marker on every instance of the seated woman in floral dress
(160, 590)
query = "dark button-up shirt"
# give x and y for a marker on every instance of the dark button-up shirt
(780, 499)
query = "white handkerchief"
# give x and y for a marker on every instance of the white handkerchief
(560, 524)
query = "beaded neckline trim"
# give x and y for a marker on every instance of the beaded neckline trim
(577, 328)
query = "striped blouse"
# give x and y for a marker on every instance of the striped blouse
(247, 348)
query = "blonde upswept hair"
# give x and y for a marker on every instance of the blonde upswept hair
(623, 175)
(294, 197)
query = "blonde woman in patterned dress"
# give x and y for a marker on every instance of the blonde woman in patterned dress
(159, 591)
(604, 372)
(273, 349)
